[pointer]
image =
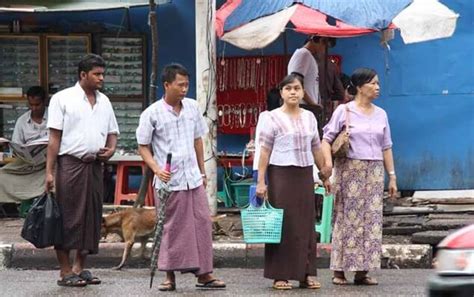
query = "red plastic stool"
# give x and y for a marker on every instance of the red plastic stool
(122, 191)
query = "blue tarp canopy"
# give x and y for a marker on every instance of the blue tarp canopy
(372, 14)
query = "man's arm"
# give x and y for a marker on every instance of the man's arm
(339, 92)
(145, 151)
(108, 151)
(52, 154)
(199, 149)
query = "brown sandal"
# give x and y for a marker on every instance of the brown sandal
(282, 285)
(167, 286)
(89, 278)
(339, 281)
(365, 281)
(212, 284)
(71, 280)
(310, 284)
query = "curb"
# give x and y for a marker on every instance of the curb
(226, 255)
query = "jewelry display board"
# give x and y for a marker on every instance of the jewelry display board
(125, 74)
(62, 57)
(242, 87)
(20, 65)
(10, 115)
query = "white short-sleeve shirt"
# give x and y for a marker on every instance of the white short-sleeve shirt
(303, 62)
(84, 127)
(169, 132)
(27, 130)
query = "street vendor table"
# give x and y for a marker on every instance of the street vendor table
(123, 193)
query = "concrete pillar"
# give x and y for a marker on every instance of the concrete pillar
(206, 89)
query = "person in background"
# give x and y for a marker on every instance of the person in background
(330, 85)
(82, 134)
(290, 146)
(22, 180)
(175, 125)
(31, 125)
(359, 180)
(303, 63)
(346, 80)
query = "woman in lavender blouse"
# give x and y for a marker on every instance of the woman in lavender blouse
(290, 146)
(359, 180)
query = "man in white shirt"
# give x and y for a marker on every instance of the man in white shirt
(31, 125)
(175, 125)
(24, 179)
(83, 133)
(303, 63)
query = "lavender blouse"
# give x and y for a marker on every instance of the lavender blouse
(291, 141)
(369, 134)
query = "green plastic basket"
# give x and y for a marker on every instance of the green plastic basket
(262, 224)
(240, 193)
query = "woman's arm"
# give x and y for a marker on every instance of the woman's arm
(326, 151)
(261, 190)
(390, 168)
(325, 168)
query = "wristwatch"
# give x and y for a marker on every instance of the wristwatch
(203, 175)
(391, 173)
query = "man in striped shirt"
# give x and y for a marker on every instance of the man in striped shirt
(175, 125)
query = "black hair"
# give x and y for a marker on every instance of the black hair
(273, 99)
(360, 77)
(291, 78)
(345, 80)
(331, 42)
(88, 62)
(36, 91)
(168, 74)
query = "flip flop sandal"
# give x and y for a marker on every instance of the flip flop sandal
(365, 281)
(282, 285)
(89, 278)
(212, 284)
(72, 280)
(339, 281)
(311, 284)
(167, 287)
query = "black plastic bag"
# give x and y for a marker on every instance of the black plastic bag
(43, 224)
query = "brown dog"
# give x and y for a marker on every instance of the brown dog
(135, 223)
(130, 224)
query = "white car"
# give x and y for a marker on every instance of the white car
(455, 265)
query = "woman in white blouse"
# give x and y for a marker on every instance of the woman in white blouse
(290, 146)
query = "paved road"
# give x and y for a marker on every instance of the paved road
(241, 282)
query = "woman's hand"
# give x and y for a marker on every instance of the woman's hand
(327, 186)
(261, 190)
(392, 187)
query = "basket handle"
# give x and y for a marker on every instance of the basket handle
(264, 205)
(267, 204)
